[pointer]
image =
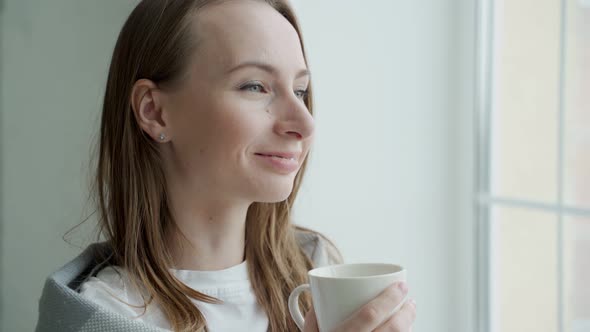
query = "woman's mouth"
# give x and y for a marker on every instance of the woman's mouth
(282, 162)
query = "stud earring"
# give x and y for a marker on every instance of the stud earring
(162, 137)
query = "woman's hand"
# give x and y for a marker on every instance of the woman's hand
(311, 322)
(375, 315)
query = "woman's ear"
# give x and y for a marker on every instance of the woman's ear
(146, 103)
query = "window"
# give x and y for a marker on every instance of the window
(534, 166)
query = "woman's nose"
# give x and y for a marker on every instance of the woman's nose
(294, 119)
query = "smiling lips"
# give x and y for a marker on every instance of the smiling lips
(282, 162)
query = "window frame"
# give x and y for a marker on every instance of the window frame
(484, 198)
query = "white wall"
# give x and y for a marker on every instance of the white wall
(391, 172)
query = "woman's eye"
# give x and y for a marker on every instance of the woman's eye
(301, 94)
(253, 87)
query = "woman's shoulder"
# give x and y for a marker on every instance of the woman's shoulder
(112, 289)
(107, 288)
(110, 277)
(318, 247)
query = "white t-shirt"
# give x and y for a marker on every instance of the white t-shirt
(231, 285)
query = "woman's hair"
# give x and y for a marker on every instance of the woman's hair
(156, 43)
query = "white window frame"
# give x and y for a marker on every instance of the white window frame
(484, 199)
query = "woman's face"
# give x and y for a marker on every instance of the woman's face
(241, 102)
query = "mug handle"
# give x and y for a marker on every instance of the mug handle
(294, 305)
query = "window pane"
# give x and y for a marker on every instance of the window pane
(525, 99)
(577, 105)
(524, 271)
(576, 274)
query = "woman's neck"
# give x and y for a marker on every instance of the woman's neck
(215, 233)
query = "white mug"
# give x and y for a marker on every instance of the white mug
(337, 291)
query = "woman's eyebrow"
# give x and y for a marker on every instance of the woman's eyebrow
(266, 67)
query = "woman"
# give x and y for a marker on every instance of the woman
(206, 126)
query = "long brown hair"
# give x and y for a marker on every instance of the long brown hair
(130, 187)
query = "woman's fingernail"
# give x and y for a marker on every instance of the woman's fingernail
(413, 303)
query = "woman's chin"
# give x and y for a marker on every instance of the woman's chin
(275, 194)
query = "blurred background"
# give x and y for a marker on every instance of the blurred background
(453, 138)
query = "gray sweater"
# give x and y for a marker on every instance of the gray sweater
(62, 308)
